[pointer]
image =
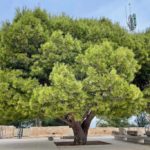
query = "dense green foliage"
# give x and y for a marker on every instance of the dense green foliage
(15, 93)
(53, 65)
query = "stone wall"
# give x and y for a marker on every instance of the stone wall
(66, 131)
(9, 131)
(63, 131)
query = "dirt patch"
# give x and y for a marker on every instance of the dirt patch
(70, 143)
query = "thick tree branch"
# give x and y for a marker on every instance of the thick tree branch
(66, 121)
(85, 116)
(69, 119)
(87, 121)
(88, 115)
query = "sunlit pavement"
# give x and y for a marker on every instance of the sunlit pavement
(27, 144)
(44, 144)
(114, 145)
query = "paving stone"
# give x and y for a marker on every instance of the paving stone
(27, 144)
(115, 145)
(45, 144)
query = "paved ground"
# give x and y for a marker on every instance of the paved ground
(115, 145)
(44, 144)
(27, 144)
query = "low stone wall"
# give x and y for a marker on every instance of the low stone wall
(100, 131)
(59, 131)
(50, 131)
(64, 131)
(7, 131)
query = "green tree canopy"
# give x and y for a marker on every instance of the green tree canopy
(72, 69)
(15, 93)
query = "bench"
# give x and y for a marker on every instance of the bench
(146, 140)
(135, 139)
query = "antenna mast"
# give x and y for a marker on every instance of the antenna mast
(131, 19)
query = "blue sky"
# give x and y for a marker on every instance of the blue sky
(112, 9)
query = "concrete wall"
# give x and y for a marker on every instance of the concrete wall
(10, 132)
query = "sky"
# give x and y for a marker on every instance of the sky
(116, 10)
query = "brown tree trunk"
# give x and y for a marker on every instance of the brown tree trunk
(87, 121)
(80, 129)
(80, 138)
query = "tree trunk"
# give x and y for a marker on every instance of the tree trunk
(80, 138)
(87, 121)
(80, 129)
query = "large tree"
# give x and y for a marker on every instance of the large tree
(105, 89)
(69, 69)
